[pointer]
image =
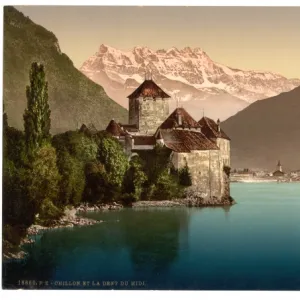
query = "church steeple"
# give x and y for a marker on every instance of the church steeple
(279, 166)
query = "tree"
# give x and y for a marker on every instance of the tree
(74, 150)
(78, 145)
(112, 156)
(134, 179)
(155, 162)
(72, 179)
(166, 187)
(98, 189)
(43, 179)
(185, 177)
(37, 114)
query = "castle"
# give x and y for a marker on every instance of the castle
(201, 145)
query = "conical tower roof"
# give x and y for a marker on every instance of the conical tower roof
(173, 120)
(148, 89)
(114, 128)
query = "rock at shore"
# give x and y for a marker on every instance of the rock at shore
(187, 202)
(9, 256)
(99, 207)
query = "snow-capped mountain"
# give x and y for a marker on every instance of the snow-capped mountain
(187, 74)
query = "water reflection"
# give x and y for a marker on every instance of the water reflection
(154, 237)
(130, 243)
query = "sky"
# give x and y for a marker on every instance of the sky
(250, 38)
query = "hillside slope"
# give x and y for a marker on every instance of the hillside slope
(73, 98)
(265, 132)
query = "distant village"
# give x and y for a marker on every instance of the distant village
(277, 175)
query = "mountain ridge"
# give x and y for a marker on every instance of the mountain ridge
(73, 98)
(265, 132)
(199, 77)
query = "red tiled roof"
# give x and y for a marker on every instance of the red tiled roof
(144, 140)
(148, 89)
(180, 140)
(173, 120)
(115, 129)
(177, 147)
(210, 129)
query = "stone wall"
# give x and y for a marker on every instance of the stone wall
(133, 115)
(206, 171)
(224, 146)
(226, 183)
(148, 113)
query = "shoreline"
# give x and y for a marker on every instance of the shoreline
(254, 180)
(182, 203)
(72, 218)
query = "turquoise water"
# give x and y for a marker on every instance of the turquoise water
(254, 244)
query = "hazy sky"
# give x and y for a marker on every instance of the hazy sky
(258, 38)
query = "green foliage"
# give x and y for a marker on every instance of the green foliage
(37, 113)
(155, 162)
(14, 145)
(162, 183)
(72, 179)
(74, 151)
(17, 209)
(78, 145)
(98, 187)
(112, 156)
(134, 180)
(43, 178)
(167, 187)
(184, 176)
(48, 213)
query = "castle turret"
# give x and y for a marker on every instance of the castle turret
(148, 107)
(215, 133)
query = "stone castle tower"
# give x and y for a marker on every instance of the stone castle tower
(202, 146)
(148, 107)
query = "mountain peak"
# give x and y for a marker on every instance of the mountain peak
(187, 72)
(142, 50)
(103, 48)
(198, 50)
(173, 49)
(187, 49)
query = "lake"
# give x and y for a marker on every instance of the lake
(253, 245)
